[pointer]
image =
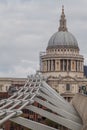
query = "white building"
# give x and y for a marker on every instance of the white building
(62, 63)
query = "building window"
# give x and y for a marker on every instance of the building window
(67, 87)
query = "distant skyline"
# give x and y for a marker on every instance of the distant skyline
(27, 25)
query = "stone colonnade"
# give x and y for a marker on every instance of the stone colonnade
(62, 65)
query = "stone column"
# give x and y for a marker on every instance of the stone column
(63, 65)
(67, 65)
(45, 66)
(81, 66)
(48, 65)
(57, 64)
(51, 65)
(76, 65)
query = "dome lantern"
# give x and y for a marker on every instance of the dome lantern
(62, 26)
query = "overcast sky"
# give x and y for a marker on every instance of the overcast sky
(27, 25)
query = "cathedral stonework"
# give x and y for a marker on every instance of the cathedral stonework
(62, 63)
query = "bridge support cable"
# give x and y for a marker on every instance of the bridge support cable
(62, 121)
(52, 91)
(59, 111)
(31, 124)
(57, 103)
(54, 95)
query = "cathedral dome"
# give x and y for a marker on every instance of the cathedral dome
(62, 38)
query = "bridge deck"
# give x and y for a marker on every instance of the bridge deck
(37, 90)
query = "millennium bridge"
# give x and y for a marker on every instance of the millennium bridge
(71, 115)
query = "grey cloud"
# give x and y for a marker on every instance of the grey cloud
(26, 26)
